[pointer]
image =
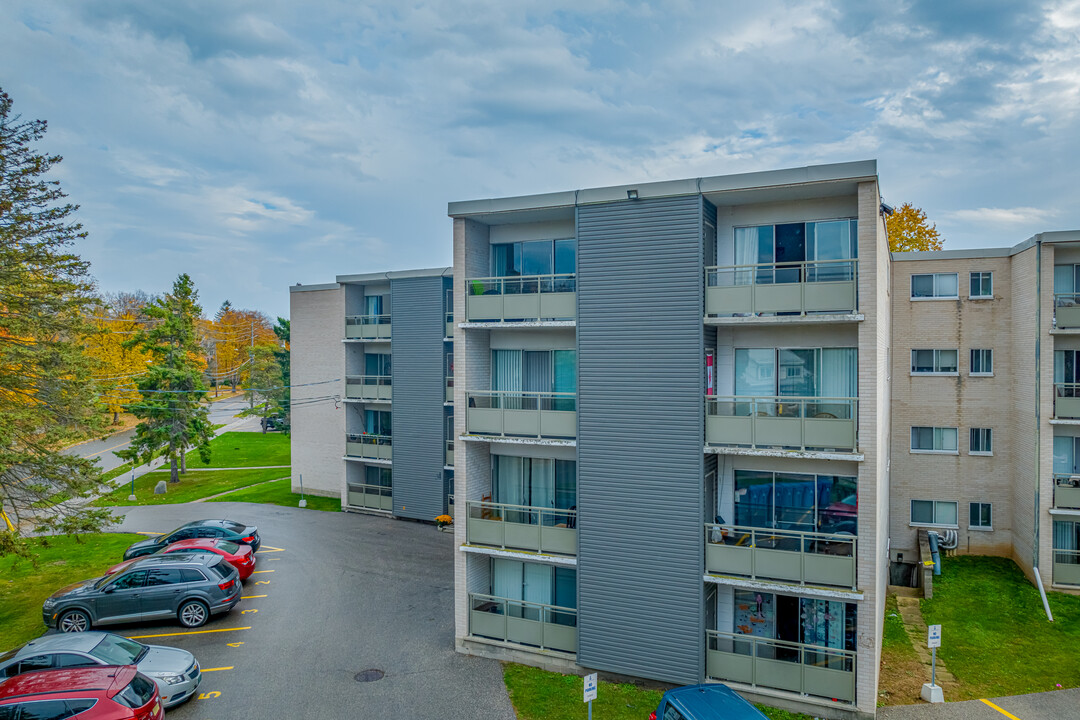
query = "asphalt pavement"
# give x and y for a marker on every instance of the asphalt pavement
(333, 595)
(1057, 705)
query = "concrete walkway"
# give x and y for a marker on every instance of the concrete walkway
(250, 467)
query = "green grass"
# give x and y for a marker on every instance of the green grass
(542, 695)
(995, 637)
(895, 640)
(279, 492)
(60, 561)
(192, 486)
(244, 449)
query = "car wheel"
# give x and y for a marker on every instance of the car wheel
(74, 621)
(193, 614)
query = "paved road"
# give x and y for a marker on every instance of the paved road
(1059, 705)
(222, 412)
(345, 593)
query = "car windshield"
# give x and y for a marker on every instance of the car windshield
(100, 582)
(116, 650)
(4, 657)
(229, 547)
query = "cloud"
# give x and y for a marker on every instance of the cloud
(1001, 216)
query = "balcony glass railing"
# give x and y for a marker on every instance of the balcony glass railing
(449, 388)
(522, 414)
(1067, 310)
(449, 324)
(450, 452)
(806, 558)
(1067, 491)
(368, 387)
(367, 327)
(371, 497)
(372, 447)
(819, 286)
(522, 527)
(548, 627)
(521, 298)
(1067, 401)
(1066, 567)
(781, 665)
(797, 423)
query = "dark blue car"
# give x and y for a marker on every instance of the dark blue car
(705, 702)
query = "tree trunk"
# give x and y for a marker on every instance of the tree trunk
(174, 476)
(115, 418)
(183, 461)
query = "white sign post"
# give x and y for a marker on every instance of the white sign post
(931, 692)
(590, 691)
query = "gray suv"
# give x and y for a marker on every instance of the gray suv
(189, 588)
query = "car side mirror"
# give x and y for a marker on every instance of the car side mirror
(108, 590)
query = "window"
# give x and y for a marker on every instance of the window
(826, 247)
(933, 512)
(534, 257)
(131, 580)
(932, 362)
(979, 516)
(670, 713)
(377, 364)
(795, 501)
(163, 576)
(37, 662)
(192, 575)
(933, 439)
(980, 442)
(70, 660)
(982, 285)
(935, 285)
(982, 362)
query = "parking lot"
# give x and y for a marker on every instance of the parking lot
(333, 595)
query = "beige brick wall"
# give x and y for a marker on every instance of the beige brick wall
(960, 401)
(318, 429)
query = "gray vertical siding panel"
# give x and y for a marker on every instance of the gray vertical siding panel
(640, 437)
(417, 378)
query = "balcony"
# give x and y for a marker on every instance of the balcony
(449, 388)
(1066, 567)
(371, 497)
(547, 627)
(529, 298)
(449, 324)
(806, 288)
(791, 423)
(1067, 401)
(367, 327)
(369, 447)
(1066, 310)
(521, 527)
(522, 414)
(368, 387)
(781, 665)
(1067, 492)
(806, 558)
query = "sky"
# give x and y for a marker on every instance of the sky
(255, 145)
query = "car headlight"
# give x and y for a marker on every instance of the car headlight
(168, 678)
(49, 604)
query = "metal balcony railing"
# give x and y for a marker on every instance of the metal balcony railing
(373, 447)
(548, 627)
(367, 327)
(522, 414)
(371, 497)
(805, 558)
(1067, 310)
(1067, 491)
(798, 423)
(1066, 567)
(802, 288)
(368, 387)
(521, 298)
(1067, 401)
(522, 527)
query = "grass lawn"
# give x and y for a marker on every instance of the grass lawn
(995, 637)
(279, 492)
(192, 486)
(63, 562)
(902, 673)
(244, 449)
(542, 695)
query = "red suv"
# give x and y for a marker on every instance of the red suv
(116, 692)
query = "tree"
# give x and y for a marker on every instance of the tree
(47, 394)
(115, 320)
(284, 399)
(172, 409)
(909, 230)
(232, 335)
(263, 384)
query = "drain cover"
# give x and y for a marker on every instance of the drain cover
(370, 675)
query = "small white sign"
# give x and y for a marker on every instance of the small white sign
(933, 636)
(590, 687)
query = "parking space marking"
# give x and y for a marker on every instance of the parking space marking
(144, 532)
(259, 571)
(1006, 713)
(270, 548)
(210, 695)
(251, 597)
(235, 644)
(244, 612)
(189, 632)
(216, 669)
(262, 582)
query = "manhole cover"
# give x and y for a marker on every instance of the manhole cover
(370, 675)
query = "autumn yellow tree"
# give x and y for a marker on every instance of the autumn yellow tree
(229, 341)
(909, 230)
(114, 320)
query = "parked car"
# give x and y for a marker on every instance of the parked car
(226, 529)
(189, 588)
(91, 693)
(705, 702)
(175, 671)
(239, 556)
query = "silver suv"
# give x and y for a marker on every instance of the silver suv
(189, 588)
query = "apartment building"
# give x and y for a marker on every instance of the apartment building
(673, 432)
(985, 408)
(372, 418)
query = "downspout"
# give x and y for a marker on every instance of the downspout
(1038, 426)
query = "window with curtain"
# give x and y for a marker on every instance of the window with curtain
(1065, 279)
(790, 243)
(1067, 541)
(374, 304)
(796, 501)
(534, 257)
(933, 512)
(377, 422)
(379, 476)
(534, 482)
(793, 372)
(535, 371)
(534, 583)
(377, 363)
(1067, 373)
(1065, 455)
(933, 439)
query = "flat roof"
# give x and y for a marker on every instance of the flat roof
(1053, 236)
(396, 275)
(847, 173)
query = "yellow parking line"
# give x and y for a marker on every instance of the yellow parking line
(270, 548)
(216, 669)
(1006, 713)
(142, 532)
(251, 597)
(189, 632)
(259, 571)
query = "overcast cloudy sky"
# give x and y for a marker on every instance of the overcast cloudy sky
(258, 144)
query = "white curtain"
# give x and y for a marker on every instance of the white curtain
(506, 370)
(506, 578)
(1064, 279)
(542, 483)
(839, 372)
(1064, 455)
(507, 479)
(538, 584)
(536, 371)
(746, 253)
(1065, 537)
